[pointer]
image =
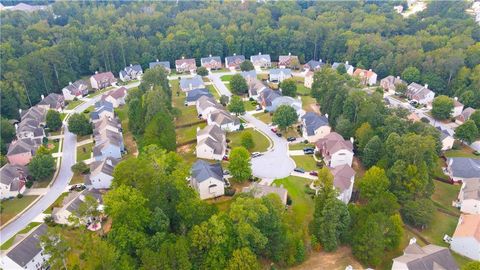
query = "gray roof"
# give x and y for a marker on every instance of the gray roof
(79, 85)
(268, 95)
(313, 121)
(205, 102)
(105, 166)
(35, 112)
(165, 64)
(287, 59)
(278, 71)
(335, 65)
(215, 140)
(249, 74)
(28, 248)
(194, 82)
(136, 68)
(314, 65)
(80, 199)
(342, 176)
(13, 175)
(471, 190)
(202, 170)
(443, 133)
(255, 86)
(234, 60)
(211, 60)
(53, 100)
(195, 94)
(464, 167)
(417, 89)
(21, 146)
(222, 117)
(430, 257)
(260, 59)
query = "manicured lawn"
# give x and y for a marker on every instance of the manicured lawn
(77, 179)
(83, 138)
(299, 146)
(187, 153)
(213, 91)
(290, 132)
(62, 116)
(188, 114)
(128, 139)
(43, 183)
(444, 195)
(438, 171)
(10, 208)
(99, 92)
(461, 261)
(305, 162)
(261, 142)
(188, 133)
(84, 151)
(89, 110)
(463, 152)
(72, 104)
(302, 203)
(250, 105)
(56, 203)
(264, 117)
(53, 145)
(226, 78)
(7, 244)
(309, 104)
(441, 224)
(302, 90)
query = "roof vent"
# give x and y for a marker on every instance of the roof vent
(413, 240)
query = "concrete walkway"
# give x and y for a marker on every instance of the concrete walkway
(87, 141)
(304, 175)
(36, 191)
(296, 152)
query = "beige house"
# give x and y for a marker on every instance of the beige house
(211, 143)
(207, 179)
(314, 126)
(466, 238)
(469, 197)
(431, 257)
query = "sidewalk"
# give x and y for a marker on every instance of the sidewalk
(87, 141)
(36, 191)
(296, 152)
(304, 175)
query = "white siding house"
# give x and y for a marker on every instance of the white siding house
(207, 179)
(466, 238)
(335, 150)
(211, 143)
(469, 197)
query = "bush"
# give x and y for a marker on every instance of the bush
(29, 184)
(80, 168)
(251, 99)
(48, 219)
(19, 195)
(289, 200)
(229, 191)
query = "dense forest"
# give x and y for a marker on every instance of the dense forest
(42, 52)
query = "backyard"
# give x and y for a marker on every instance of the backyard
(261, 142)
(186, 134)
(302, 90)
(444, 195)
(10, 208)
(128, 139)
(84, 152)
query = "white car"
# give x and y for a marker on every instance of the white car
(256, 154)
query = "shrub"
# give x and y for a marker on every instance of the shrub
(229, 191)
(29, 184)
(80, 168)
(19, 195)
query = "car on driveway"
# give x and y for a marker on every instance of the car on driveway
(308, 151)
(274, 130)
(225, 158)
(256, 154)
(291, 139)
(299, 170)
(313, 173)
(77, 187)
(279, 134)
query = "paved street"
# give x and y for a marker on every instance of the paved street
(215, 78)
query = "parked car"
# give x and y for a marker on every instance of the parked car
(258, 108)
(225, 158)
(291, 139)
(274, 130)
(77, 187)
(256, 154)
(314, 173)
(226, 172)
(299, 170)
(279, 134)
(308, 151)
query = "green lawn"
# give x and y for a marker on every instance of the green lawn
(188, 114)
(213, 91)
(441, 224)
(72, 104)
(10, 208)
(7, 244)
(264, 117)
(188, 133)
(444, 195)
(461, 261)
(305, 162)
(300, 146)
(128, 139)
(226, 78)
(250, 105)
(302, 90)
(57, 203)
(302, 204)
(261, 142)
(53, 145)
(99, 92)
(83, 138)
(88, 110)
(62, 116)
(84, 151)
(77, 179)
(307, 102)
(464, 152)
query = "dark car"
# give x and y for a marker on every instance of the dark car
(279, 134)
(299, 170)
(274, 130)
(225, 158)
(314, 173)
(291, 139)
(308, 151)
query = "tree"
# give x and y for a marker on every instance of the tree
(401, 89)
(442, 107)
(239, 164)
(53, 120)
(161, 131)
(344, 127)
(236, 105)
(475, 117)
(79, 125)
(411, 74)
(238, 84)
(55, 245)
(341, 69)
(289, 87)
(467, 132)
(418, 213)
(372, 152)
(7, 131)
(42, 167)
(373, 183)
(246, 66)
(202, 71)
(80, 168)
(363, 134)
(284, 117)
(247, 140)
(224, 100)
(243, 259)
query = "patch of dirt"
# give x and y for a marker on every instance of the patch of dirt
(315, 108)
(184, 149)
(337, 260)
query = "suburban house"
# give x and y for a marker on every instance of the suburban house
(255, 87)
(195, 94)
(308, 79)
(207, 105)
(74, 90)
(469, 197)
(429, 257)
(234, 61)
(313, 65)
(466, 238)
(295, 103)
(335, 150)
(266, 97)
(389, 83)
(116, 97)
(103, 108)
(20, 152)
(188, 84)
(251, 74)
(457, 107)
(185, 65)
(207, 179)
(463, 169)
(224, 120)
(37, 113)
(465, 115)
(25, 7)
(52, 102)
(102, 80)
(101, 173)
(367, 77)
(211, 62)
(26, 251)
(446, 138)
(420, 94)
(259, 191)
(112, 147)
(261, 61)
(211, 143)
(164, 64)
(279, 74)
(314, 126)
(288, 61)
(12, 180)
(343, 179)
(71, 204)
(30, 128)
(132, 72)
(348, 67)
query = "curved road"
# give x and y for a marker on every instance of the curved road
(61, 181)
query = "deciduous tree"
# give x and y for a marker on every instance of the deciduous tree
(284, 117)
(246, 66)
(79, 125)
(289, 87)
(467, 132)
(53, 120)
(238, 85)
(442, 107)
(239, 164)
(236, 105)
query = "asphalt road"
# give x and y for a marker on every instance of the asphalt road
(215, 79)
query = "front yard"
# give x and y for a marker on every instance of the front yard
(305, 162)
(302, 90)
(464, 151)
(213, 91)
(57, 203)
(74, 103)
(264, 117)
(84, 152)
(261, 142)
(299, 146)
(250, 105)
(10, 208)
(226, 78)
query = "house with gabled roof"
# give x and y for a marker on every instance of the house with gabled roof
(295, 103)
(288, 61)
(390, 83)
(52, 102)
(465, 115)
(26, 252)
(37, 113)
(469, 197)
(211, 143)
(106, 123)
(343, 179)
(278, 75)
(185, 65)
(101, 173)
(366, 77)
(12, 180)
(255, 87)
(462, 169)
(446, 138)
(466, 238)
(267, 96)
(191, 83)
(314, 126)
(20, 152)
(419, 93)
(194, 95)
(72, 203)
(132, 72)
(74, 90)
(207, 179)
(102, 80)
(258, 191)
(164, 64)
(224, 120)
(457, 107)
(234, 61)
(103, 108)
(116, 97)
(211, 62)
(313, 65)
(261, 61)
(429, 257)
(30, 128)
(348, 67)
(335, 150)
(207, 105)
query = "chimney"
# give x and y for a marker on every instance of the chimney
(326, 115)
(346, 62)
(234, 54)
(259, 53)
(398, 77)
(352, 140)
(157, 60)
(455, 98)
(108, 161)
(320, 60)
(20, 111)
(370, 70)
(96, 72)
(190, 86)
(209, 55)
(16, 126)
(413, 240)
(131, 65)
(183, 57)
(289, 54)
(426, 86)
(42, 96)
(69, 83)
